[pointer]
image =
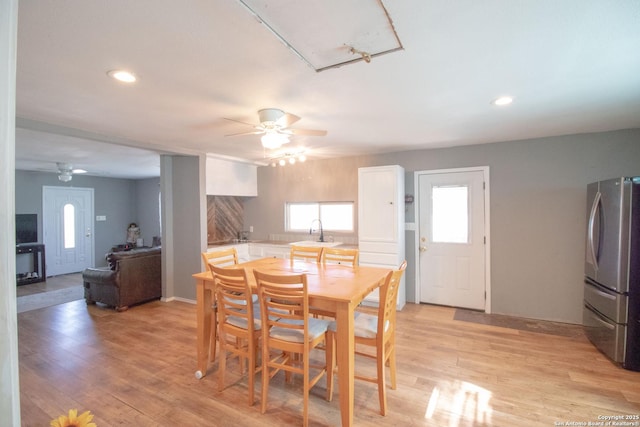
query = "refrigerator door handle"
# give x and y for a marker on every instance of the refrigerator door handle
(592, 217)
(600, 318)
(604, 295)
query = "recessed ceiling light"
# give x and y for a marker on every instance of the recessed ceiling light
(122, 76)
(79, 171)
(503, 100)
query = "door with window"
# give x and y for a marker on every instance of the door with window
(68, 229)
(452, 238)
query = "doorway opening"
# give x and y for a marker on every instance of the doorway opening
(67, 223)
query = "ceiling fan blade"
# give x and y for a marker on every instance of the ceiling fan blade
(254, 132)
(287, 120)
(241, 122)
(307, 132)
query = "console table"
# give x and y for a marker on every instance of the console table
(37, 251)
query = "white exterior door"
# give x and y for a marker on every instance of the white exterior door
(68, 229)
(451, 240)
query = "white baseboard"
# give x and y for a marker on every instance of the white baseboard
(189, 301)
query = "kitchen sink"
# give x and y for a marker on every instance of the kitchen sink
(316, 244)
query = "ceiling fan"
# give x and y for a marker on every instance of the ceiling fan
(66, 171)
(275, 128)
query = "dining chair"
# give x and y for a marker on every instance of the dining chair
(340, 256)
(289, 334)
(336, 256)
(221, 258)
(378, 331)
(237, 319)
(306, 253)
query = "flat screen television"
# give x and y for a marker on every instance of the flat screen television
(26, 228)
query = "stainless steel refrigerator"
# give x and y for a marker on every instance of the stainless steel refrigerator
(611, 314)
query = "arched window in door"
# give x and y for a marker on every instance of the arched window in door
(69, 224)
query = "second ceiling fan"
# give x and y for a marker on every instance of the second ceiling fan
(275, 128)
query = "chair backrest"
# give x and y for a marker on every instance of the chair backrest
(284, 302)
(307, 253)
(389, 299)
(233, 295)
(340, 256)
(222, 258)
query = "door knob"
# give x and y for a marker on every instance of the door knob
(422, 248)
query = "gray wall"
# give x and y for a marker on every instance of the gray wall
(117, 199)
(538, 200)
(148, 208)
(330, 180)
(184, 225)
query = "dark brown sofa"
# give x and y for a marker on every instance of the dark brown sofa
(132, 277)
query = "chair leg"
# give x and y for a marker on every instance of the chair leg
(305, 398)
(222, 363)
(240, 358)
(392, 364)
(380, 362)
(288, 375)
(213, 337)
(331, 362)
(251, 368)
(265, 377)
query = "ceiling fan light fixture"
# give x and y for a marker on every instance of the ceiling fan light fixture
(288, 157)
(273, 140)
(65, 176)
(66, 171)
(270, 115)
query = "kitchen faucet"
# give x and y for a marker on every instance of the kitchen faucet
(311, 230)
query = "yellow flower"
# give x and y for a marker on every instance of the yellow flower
(73, 420)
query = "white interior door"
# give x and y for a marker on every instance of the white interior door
(67, 222)
(452, 238)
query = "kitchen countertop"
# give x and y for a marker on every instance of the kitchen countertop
(266, 242)
(228, 242)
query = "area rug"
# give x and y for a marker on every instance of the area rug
(47, 299)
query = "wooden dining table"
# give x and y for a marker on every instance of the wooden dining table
(332, 288)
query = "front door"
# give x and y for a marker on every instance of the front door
(452, 238)
(68, 229)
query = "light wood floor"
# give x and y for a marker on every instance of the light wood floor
(136, 368)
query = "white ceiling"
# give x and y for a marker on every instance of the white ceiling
(573, 66)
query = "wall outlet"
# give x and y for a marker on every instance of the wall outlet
(251, 229)
(101, 218)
